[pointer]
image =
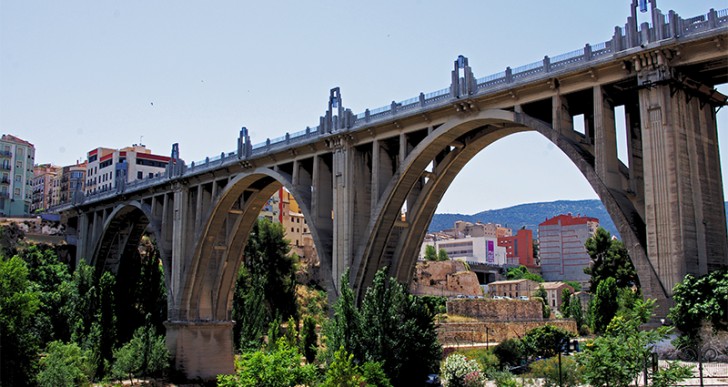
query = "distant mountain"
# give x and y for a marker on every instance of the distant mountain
(530, 215)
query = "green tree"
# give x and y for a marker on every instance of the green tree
(442, 255)
(309, 339)
(609, 259)
(65, 365)
(11, 237)
(19, 303)
(617, 357)
(393, 328)
(510, 352)
(564, 307)
(145, 354)
(574, 284)
(278, 367)
(267, 254)
(575, 311)
(249, 310)
(106, 320)
(701, 299)
(545, 341)
(604, 305)
(521, 272)
(541, 293)
(430, 253)
(343, 329)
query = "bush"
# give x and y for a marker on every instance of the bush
(548, 370)
(458, 371)
(487, 360)
(145, 354)
(65, 365)
(545, 341)
(510, 352)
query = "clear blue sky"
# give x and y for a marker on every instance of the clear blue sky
(75, 75)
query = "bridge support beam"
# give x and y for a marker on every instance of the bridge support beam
(201, 350)
(686, 224)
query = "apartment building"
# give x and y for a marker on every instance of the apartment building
(519, 248)
(17, 158)
(109, 168)
(43, 178)
(561, 247)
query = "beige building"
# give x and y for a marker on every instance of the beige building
(512, 288)
(490, 230)
(553, 293)
(44, 176)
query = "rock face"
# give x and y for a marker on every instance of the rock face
(447, 278)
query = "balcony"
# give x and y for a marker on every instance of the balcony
(4, 167)
(4, 195)
(6, 154)
(4, 180)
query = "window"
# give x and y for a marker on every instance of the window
(140, 175)
(151, 175)
(17, 192)
(18, 178)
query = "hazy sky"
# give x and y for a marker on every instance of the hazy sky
(76, 75)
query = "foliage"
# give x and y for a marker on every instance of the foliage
(343, 330)
(435, 304)
(548, 370)
(609, 259)
(604, 305)
(701, 299)
(343, 371)
(504, 379)
(617, 357)
(106, 321)
(267, 254)
(541, 293)
(309, 339)
(458, 371)
(545, 341)
(391, 327)
(65, 365)
(521, 272)
(564, 307)
(140, 290)
(574, 311)
(574, 284)
(430, 253)
(280, 366)
(671, 375)
(145, 354)
(487, 360)
(510, 352)
(19, 303)
(248, 311)
(442, 255)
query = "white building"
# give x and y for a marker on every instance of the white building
(106, 167)
(482, 249)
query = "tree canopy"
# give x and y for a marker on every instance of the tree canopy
(609, 259)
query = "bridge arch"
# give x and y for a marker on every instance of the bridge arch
(219, 249)
(122, 232)
(448, 149)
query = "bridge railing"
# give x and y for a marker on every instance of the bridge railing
(672, 26)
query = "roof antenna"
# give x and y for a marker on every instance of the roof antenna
(140, 140)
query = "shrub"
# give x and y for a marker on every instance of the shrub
(548, 370)
(65, 365)
(510, 352)
(458, 371)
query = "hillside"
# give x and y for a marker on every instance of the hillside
(530, 215)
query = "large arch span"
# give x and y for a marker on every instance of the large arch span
(450, 147)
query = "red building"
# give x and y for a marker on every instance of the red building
(519, 246)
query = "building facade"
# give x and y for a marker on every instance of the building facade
(17, 158)
(561, 247)
(513, 288)
(108, 168)
(43, 177)
(554, 291)
(482, 250)
(519, 247)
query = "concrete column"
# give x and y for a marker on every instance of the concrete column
(561, 118)
(83, 237)
(342, 253)
(201, 349)
(684, 211)
(376, 190)
(605, 146)
(179, 246)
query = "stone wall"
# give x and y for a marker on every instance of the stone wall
(496, 310)
(475, 332)
(447, 278)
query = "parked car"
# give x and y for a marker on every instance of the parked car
(433, 380)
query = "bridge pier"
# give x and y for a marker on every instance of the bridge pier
(201, 349)
(684, 210)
